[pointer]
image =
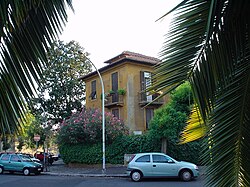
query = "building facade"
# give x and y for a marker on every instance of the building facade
(125, 78)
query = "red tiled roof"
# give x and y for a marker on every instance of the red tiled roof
(133, 56)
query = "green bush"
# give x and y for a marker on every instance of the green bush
(92, 154)
(81, 154)
(190, 152)
(85, 127)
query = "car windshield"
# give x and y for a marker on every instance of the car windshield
(26, 158)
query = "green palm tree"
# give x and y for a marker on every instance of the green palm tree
(209, 45)
(27, 28)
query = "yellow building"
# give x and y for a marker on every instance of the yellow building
(125, 77)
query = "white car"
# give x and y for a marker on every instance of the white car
(147, 165)
(31, 157)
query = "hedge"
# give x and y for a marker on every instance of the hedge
(92, 154)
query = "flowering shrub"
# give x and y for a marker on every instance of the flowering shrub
(85, 127)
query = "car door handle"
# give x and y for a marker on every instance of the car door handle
(154, 165)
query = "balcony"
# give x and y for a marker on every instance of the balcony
(150, 99)
(114, 100)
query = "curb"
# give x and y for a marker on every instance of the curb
(84, 175)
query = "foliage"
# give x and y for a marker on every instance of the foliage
(84, 154)
(61, 91)
(27, 29)
(32, 125)
(111, 92)
(130, 145)
(168, 123)
(6, 143)
(20, 144)
(85, 128)
(208, 45)
(92, 154)
(169, 120)
(182, 98)
(121, 91)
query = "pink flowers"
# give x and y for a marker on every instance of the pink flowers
(86, 127)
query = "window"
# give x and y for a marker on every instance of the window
(146, 81)
(14, 158)
(147, 78)
(145, 158)
(149, 116)
(115, 112)
(114, 78)
(160, 159)
(5, 157)
(93, 90)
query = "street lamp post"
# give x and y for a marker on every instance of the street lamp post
(103, 117)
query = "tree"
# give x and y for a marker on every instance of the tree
(20, 144)
(33, 125)
(169, 121)
(27, 28)
(208, 45)
(61, 91)
(6, 144)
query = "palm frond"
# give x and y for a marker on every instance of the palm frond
(186, 35)
(208, 45)
(27, 28)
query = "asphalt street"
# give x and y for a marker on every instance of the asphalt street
(18, 180)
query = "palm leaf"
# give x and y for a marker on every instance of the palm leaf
(27, 28)
(208, 44)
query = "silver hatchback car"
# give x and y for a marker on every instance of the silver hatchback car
(147, 165)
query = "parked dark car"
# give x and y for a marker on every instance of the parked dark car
(19, 163)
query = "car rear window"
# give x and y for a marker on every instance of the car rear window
(5, 157)
(145, 158)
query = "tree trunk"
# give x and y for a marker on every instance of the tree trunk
(164, 145)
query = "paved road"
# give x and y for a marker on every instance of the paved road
(17, 180)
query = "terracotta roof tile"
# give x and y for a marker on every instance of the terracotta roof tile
(132, 56)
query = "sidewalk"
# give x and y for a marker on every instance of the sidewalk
(60, 169)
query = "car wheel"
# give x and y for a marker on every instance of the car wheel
(136, 176)
(26, 171)
(186, 175)
(1, 170)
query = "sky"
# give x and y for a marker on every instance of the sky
(107, 28)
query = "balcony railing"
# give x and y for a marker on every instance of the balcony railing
(145, 99)
(114, 100)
